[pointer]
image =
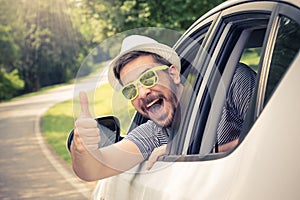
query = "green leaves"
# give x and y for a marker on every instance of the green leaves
(10, 84)
(48, 40)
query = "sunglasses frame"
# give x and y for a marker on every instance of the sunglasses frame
(137, 81)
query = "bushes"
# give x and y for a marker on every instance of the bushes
(10, 84)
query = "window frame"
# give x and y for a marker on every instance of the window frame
(281, 10)
(257, 106)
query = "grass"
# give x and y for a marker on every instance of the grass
(57, 123)
(251, 58)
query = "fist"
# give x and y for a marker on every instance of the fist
(86, 131)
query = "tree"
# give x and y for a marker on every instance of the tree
(118, 16)
(10, 84)
(48, 39)
(101, 19)
(49, 44)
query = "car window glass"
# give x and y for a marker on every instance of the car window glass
(286, 48)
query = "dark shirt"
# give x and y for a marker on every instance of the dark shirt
(237, 102)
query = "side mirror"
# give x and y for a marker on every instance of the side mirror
(109, 131)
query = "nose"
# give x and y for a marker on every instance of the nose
(143, 92)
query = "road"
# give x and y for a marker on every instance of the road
(29, 168)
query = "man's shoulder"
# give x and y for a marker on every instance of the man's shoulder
(244, 69)
(146, 128)
(150, 124)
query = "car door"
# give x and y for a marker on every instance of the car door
(251, 33)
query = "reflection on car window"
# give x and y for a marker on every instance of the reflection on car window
(251, 57)
(286, 48)
(192, 53)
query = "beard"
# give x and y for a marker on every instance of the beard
(163, 108)
(166, 121)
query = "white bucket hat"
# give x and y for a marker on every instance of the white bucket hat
(146, 44)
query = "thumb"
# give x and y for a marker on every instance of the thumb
(84, 104)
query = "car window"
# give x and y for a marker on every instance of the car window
(287, 46)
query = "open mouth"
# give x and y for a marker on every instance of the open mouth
(155, 105)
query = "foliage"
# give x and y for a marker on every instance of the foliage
(10, 84)
(107, 17)
(45, 40)
(9, 51)
(50, 44)
(48, 39)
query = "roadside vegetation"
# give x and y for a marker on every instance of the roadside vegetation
(46, 42)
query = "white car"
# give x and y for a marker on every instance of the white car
(264, 35)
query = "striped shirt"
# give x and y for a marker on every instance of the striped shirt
(236, 105)
(148, 136)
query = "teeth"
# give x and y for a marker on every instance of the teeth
(153, 102)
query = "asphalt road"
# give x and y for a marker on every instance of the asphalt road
(29, 168)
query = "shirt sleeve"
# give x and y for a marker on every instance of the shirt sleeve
(147, 137)
(236, 105)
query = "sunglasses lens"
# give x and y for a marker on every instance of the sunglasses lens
(149, 79)
(130, 91)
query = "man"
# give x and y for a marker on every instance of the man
(149, 74)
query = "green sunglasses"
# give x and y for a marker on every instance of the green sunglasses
(148, 79)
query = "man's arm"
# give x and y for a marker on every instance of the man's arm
(91, 163)
(156, 154)
(105, 162)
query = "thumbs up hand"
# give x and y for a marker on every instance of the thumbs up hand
(86, 132)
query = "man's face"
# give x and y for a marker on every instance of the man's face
(159, 102)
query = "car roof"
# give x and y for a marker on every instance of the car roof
(231, 3)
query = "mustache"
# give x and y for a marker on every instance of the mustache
(149, 98)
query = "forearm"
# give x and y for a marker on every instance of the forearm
(88, 167)
(228, 146)
(105, 162)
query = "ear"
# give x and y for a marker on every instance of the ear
(174, 74)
